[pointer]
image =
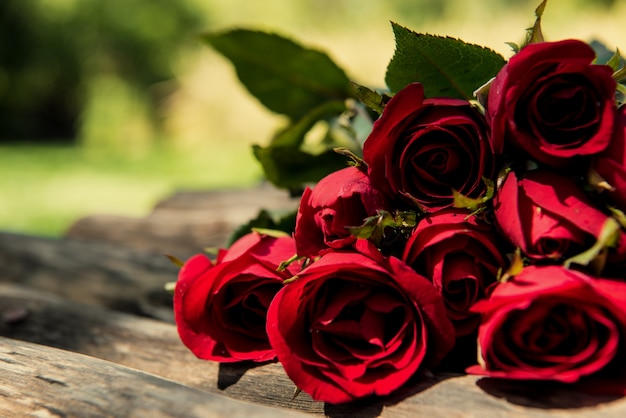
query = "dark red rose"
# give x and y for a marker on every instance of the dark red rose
(461, 255)
(610, 165)
(220, 309)
(548, 216)
(342, 199)
(421, 149)
(551, 323)
(552, 103)
(353, 326)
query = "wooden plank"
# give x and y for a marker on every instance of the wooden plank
(46, 382)
(185, 222)
(233, 204)
(141, 343)
(90, 272)
(153, 346)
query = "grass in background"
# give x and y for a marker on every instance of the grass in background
(44, 189)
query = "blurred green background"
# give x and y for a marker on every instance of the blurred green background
(107, 106)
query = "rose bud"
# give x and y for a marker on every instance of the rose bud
(551, 323)
(461, 256)
(548, 216)
(550, 101)
(352, 326)
(342, 199)
(220, 309)
(420, 150)
(610, 165)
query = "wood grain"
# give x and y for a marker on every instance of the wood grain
(98, 273)
(185, 222)
(153, 346)
(46, 382)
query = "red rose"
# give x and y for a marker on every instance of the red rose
(461, 256)
(548, 216)
(421, 149)
(551, 102)
(220, 309)
(610, 165)
(342, 199)
(352, 326)
(551, 323)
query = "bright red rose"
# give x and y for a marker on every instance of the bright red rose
(551, 323)
(461, 255)
(610, 165)
(421, 149)
(552, 103)
(353, 326)
(220, 309)
(342, 199)
(548, 216)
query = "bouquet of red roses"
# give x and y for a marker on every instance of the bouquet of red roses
(484, 203)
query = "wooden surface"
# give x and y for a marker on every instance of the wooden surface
(86, 330)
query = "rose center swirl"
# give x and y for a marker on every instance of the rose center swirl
(358, 327)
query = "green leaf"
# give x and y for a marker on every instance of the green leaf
(294, 134)
(266, 223)
(288, 167)
(368, 97)
(289, 163)
(446, 66)
(285, 76)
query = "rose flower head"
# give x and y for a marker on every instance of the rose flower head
(220, 309)
(549, 217)
(461, 255)
(352, 326)
(420, 150)
(342, 199)
(551, 102)
(551, 323)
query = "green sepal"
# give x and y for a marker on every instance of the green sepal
(170, 287)
(615, 62)
(274, 233)
(175, 260)
(596, 254)
(385, 226)
(535, 35)
(368, 97)
(474, 204)
(619, 216)
(515, 267)
(284, 264)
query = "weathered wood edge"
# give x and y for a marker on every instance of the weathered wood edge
(154, 347)
(37, 380)
(96, 273)
(140, 343)
(186, 221)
